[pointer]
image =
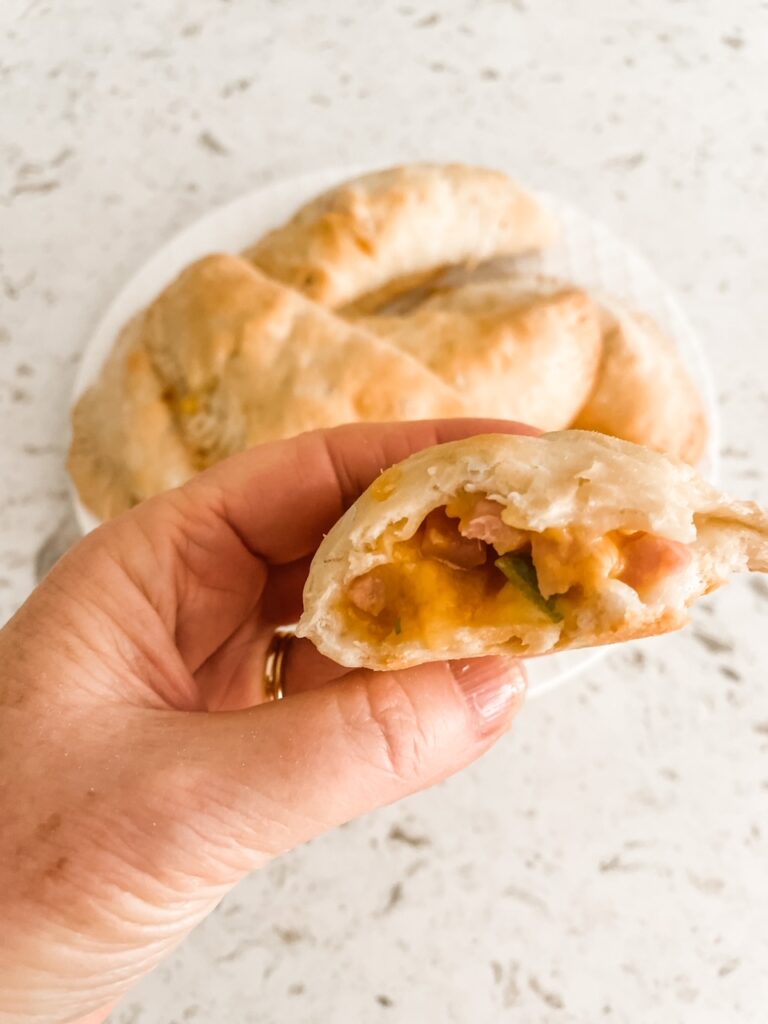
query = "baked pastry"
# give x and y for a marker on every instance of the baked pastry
(126, 444)
(641, 392)
(377, 234)
(530, 360)
(226, 358)
(523, 545)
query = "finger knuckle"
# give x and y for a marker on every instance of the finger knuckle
(388, 729)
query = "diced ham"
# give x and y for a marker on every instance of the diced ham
(485, 523)
(441, 540)
(648, 560)
(368, 593)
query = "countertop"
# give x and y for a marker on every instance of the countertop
(608, 861)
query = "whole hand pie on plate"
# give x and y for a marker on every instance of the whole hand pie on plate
(223, 359)
(375, 235)
(506, 544)
(532, 361)
(638, 390)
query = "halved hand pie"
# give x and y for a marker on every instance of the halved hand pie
(523, 545)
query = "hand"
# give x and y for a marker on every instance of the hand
(128, 807)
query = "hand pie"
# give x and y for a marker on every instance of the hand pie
(523, 545)
(226, 358)
(398, 225)
(126, 445)
(533, 361)
(641, 391)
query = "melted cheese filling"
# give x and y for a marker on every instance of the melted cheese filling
(439, 580)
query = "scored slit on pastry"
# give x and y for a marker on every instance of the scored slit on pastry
(523, 545)
(363, 241)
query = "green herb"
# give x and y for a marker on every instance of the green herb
(521, 572)
(398, 627)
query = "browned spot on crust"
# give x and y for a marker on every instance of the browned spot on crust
(49, 826)
(56, 869)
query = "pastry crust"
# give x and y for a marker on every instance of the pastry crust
(226, 358)
(642, 391)
(533, 360)
(126, 445)
(571, 479)
(257, 361)
(403, 222)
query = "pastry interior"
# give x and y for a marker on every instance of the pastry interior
(465, 568)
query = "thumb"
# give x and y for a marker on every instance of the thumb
(287, 771)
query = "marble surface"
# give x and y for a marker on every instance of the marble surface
(608, 861)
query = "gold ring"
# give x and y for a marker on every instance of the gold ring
(274, 660)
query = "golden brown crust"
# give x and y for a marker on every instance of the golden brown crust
(403, 221)
(223, 359)
(125, 444)
(643, 392)
(529, 360)
(263, 362)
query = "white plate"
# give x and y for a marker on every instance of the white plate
(588, 254)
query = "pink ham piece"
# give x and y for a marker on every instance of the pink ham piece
(648, 560)
(441, 540)
(368, 593)
(485, 523)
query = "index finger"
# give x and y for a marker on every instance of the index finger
(281, 498)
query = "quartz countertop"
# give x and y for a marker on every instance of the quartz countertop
(608, 861)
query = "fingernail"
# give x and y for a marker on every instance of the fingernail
(493, 688)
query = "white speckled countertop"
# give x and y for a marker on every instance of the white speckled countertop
(609, 860)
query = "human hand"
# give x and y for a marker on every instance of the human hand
(142, 772)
